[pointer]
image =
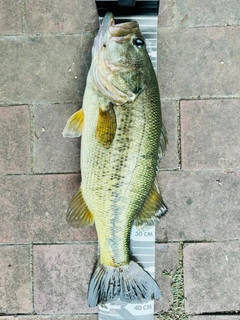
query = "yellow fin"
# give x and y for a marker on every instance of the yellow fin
(153, 209)
(78, 213)
(74, 125)
(106, 127)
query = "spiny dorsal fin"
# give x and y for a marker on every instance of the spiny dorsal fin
(78, 213)
(106, 127)
(74, 125)
(153, 209)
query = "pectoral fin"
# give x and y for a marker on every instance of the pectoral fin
(153, 209)
(106, 127)
(78, 213)
(74, 125)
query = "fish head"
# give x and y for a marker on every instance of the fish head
(119, 56)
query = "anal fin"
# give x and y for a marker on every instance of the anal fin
(78, 213)
(74, 125)
(153, 209)
(106, 127)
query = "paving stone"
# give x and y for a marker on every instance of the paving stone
(33, 209)
(15, 280)
(210, 134)
(52, 152)
(50, 68)
(62, 274)
(198, 62)
(169, 115)
(15, 140)
(211, 277)
(10, 17)
(66, 16)
(166, 260)
(200, 205)
(206, 13)
(165, 13)
(231, 317)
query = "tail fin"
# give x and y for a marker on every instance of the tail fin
(128, 282)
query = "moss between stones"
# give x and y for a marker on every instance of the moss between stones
(177, 310)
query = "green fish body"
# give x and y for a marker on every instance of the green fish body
(123, 139)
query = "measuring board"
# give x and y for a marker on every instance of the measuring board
(142, 242)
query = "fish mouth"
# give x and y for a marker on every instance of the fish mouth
(109, 30)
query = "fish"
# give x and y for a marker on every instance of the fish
(123, 140)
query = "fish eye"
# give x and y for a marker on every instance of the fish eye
(139, 42)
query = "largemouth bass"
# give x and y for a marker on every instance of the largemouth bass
(123, 140)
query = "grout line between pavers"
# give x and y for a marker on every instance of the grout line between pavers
(38, 174)
(31, 137)
(9, 104)
(23, 17)
(184, 242)
(176, 26)
(46, 243)
(219, 313)
(197, 98)
(32, 278)
(47, 35)
(179, 142)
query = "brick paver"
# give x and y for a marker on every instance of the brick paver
(205, 13)
(201, 205)
(15, 280)
(212, 280)
(210, 134)
(62, 273)
(10, 17)
(15, 139)
(48, 16)
(165, 12)
(48, 68)
(198, 62)
(49, 121)
(33, 209)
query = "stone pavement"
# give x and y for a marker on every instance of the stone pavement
(45, 52)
